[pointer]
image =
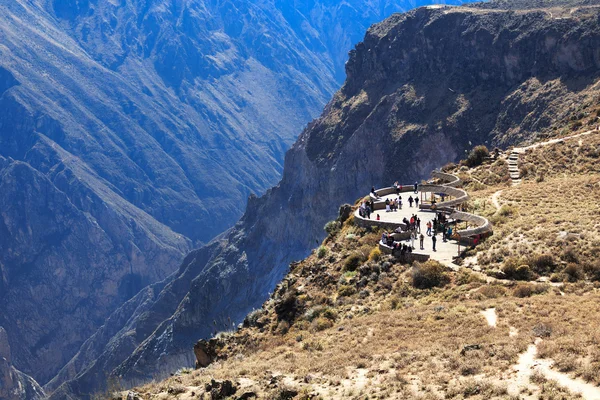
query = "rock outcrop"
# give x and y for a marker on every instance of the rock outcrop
(14, 385)
(422, 89)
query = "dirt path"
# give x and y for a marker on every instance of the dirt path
(490, 316)
(513, 158)
(528, 364)
(495, 197)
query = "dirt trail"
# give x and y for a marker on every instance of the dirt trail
(513, 158)
(529, 364)
(495, 197)
(490, 316)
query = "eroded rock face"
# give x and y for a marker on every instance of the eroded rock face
(15, 385)
(422, 89)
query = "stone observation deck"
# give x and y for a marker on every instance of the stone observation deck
(442, 195)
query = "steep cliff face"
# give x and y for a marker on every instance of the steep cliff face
(131, 131)
(15, 385)
(422, 88)
(62, 270)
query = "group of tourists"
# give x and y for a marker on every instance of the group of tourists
(393, 204)
(397, 247)
(366, 208)
(412, 224)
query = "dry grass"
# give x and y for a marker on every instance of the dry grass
(557, 215)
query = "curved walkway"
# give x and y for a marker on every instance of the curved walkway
(445, 251)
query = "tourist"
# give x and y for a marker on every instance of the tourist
(443, 230)
(387, 205)
(416, 187)
(373, 193)
(421, 239)
(449, 232)
(390, 240)
(372, 205)
(410, 201)
(400, 202)
(368, 211)
(397, 187)
(416, 201)
(429, 228)
(433, 240)
(419, 224)
(384, 237)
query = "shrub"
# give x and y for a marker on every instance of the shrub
(332, 228)
(477, 156)
(346, 290)
(466, 277)
(319, 311)
(492, 291)
(375, 254)
(570, 255)
(353, 261)
(542, 330)
(522, 290)
(513, 270)
(253, 318)
(429, 274)
(322, 252)
(283, 327)
(573, 272)
(542, 263)
(321, 324)
(593, 270)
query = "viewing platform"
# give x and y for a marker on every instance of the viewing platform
(439, 197)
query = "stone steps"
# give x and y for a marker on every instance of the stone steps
(513, 167)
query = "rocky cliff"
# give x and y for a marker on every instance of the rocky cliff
(422, 88)
(15, 385)
(131, 131)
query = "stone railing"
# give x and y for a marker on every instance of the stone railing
(482, 226)
(449, 179)
(460, 196)
(413, 256)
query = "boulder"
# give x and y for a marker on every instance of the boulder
(205, 352)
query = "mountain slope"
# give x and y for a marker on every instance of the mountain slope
(422, 88)
(137, 129)
(385, 327)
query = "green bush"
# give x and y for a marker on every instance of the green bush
(322, 252)
(346, 290)
(375, 254)
(542, 264)
(429, 274)
(321, 324)
(522, 290)
(513, 270)
(332, 228)
(477, 156)
(573, 272)
(592, 270)
(353, 261)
